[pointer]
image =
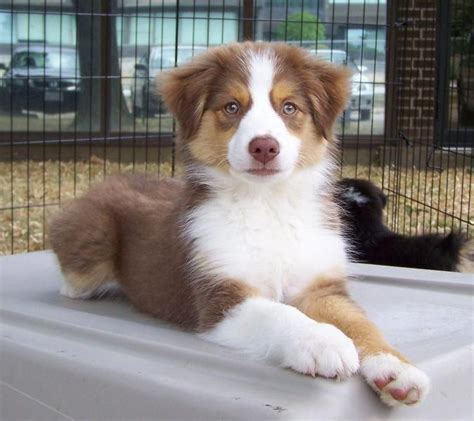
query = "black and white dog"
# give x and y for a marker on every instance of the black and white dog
(362, 204)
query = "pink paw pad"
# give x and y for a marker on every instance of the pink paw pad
(408, 396)
(382, 382)
(399, 394)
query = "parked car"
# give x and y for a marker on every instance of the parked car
(41, 78)
(362, 95)
(144, 100)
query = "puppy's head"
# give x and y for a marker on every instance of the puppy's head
(258, 111)
(361, 196)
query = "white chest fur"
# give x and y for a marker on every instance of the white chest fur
(272, 238)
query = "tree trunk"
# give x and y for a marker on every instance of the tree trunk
(99, 69)
(88, 39)
(117, 110)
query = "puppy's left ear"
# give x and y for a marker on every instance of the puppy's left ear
(328, 88)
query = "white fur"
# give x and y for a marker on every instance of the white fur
(262, 120)
(67, 290)
(355, 196)
(272, 238)
(406, 377)
(283, 335)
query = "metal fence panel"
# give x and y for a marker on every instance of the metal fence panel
(77, 102)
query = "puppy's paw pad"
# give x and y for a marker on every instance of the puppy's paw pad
(396, 382)
(383, 381)
(323, 350)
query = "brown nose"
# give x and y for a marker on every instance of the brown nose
(264, 148)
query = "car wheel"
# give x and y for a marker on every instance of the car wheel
(365, 115)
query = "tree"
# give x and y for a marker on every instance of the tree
(88, 30)
(301, 27)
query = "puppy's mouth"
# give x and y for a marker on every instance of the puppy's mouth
(263, 172)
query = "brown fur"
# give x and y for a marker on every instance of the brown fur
(126, 223)
(210, 144)
(214, 302)
(327, 300)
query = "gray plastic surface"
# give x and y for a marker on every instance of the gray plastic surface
(101, 360)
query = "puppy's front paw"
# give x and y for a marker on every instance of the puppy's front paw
(396, 382)
(322, 349)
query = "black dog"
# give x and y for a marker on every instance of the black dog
(371, 241)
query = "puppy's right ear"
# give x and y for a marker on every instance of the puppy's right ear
(328, 89)
(184, 92)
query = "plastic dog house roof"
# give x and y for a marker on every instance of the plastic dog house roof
(65, 359)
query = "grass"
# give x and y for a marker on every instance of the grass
(32, 191)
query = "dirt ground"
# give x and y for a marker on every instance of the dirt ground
(32, 191)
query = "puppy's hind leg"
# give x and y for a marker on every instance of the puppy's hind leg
(84, 237)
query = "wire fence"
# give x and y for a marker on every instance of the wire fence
(77, 104)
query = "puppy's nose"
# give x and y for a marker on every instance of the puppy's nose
(264, 148)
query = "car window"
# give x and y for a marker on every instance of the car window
(40, 60)
(166, 58)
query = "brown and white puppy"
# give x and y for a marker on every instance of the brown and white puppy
(247, 249)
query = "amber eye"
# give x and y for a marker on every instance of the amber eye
(289, 108)
(232, 107)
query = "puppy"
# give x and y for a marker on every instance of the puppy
(362, 204)
(247, 250)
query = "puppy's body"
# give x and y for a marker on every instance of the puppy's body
(372, 242)
(247, 250)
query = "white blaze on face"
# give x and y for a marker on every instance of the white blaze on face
(262, 120)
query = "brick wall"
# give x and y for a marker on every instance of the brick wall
(416, 69)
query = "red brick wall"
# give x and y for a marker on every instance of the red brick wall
(416, 69)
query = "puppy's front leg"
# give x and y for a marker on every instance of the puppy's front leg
(386, 370)
(234, 315)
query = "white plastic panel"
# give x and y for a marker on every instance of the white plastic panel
(100, 359)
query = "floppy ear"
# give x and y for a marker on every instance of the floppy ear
(328, 88)
(184, 92)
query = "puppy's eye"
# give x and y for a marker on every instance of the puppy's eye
(232, 108)
(289, 108)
